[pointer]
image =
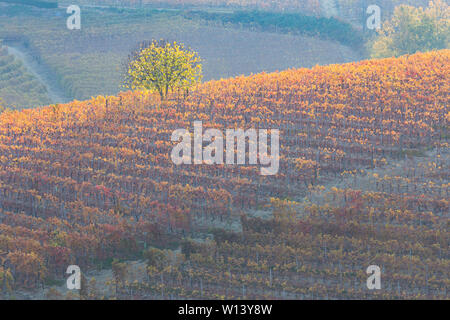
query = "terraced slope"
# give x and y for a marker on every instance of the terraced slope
(87, 182)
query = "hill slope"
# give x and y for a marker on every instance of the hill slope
(18, 87)
(88, 63)
(84, 182)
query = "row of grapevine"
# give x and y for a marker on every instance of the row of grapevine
(87, 181)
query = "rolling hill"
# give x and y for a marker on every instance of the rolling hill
(85, 182)
(88, 62)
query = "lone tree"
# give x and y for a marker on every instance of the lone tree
(414, 29)
(163, 67)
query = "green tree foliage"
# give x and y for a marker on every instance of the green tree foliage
(163, 67)
(414, 29)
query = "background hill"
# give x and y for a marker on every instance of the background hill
(86, 182)
(350, 10)
(88, 62)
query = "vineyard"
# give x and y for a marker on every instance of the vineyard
(86, 182)
(19, 88)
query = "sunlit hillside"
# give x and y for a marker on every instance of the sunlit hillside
(89, 181)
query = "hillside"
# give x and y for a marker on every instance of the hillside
(88, 62)
(86, 182)
(18, 87)
(348, 10)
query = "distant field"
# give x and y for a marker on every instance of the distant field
(19, 88)
(88, 62)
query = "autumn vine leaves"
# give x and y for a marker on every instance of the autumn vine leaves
(86, 182)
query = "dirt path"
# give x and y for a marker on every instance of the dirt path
(55, 92)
